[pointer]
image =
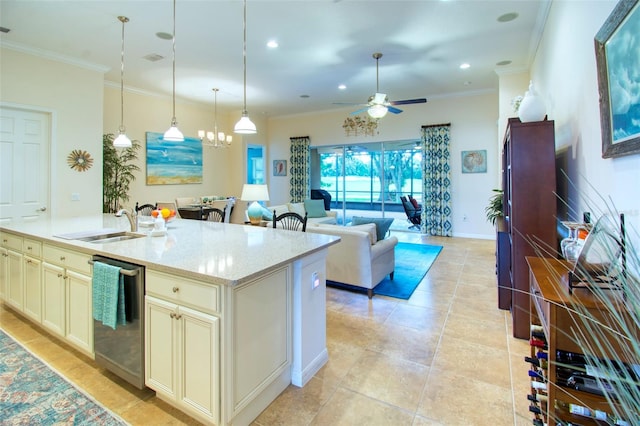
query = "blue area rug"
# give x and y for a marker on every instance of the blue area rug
(412, 264)
(31, 393)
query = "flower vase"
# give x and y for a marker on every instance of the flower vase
(532, 107)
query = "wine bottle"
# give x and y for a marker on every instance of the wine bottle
(535, 409)
(538, 343)
(537, 397)
(537, 375)
(538, 385)
(542, 355)
(531, 360)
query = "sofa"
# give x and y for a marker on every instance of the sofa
(359, 259)
(316, 214)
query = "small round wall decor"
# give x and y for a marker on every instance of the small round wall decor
(80, 160)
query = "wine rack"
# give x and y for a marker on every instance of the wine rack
(559, 373)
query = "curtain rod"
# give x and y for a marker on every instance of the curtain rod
(426, 126)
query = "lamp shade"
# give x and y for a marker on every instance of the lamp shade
(254, 192)
(122, 141)
(173, 134)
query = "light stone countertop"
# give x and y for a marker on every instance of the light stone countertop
(220, 253)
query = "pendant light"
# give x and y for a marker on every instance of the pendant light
(215, 139)
(174, 134)
(122, 141)
(245, 125)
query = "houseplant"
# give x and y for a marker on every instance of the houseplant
(117, 172)
(494, 209)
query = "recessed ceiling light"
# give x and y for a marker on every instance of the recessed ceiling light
(501, 63)
(464, 66)
(272, 44)
(467, 83)
(164, 36)
(342, 87)
(305, 96)
(507, 17)
(4, 30)
(153, 57)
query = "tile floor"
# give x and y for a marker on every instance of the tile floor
(443, 357)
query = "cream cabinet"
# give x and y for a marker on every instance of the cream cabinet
(182, 345)
(4, 270)
(32, 272)
(14, 285)
(66, 296)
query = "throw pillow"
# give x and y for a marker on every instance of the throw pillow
(414, 202)
(314, 208)
(382, 224)
(370, 228)
(267, 214)
(297, 208)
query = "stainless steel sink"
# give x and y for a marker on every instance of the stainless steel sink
(111, 237)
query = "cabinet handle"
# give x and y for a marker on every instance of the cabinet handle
(65, 277)
(4, 240)
(5, 255)
(29, 248)
(59, 275)
(29, 261)
(178, 316)
(172, 315)
(62, 258)
(175, 289)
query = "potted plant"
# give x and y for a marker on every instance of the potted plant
(117, 173)
(494, 210)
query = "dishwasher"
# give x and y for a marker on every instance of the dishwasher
(121, 351)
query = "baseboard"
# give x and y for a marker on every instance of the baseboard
(310, 370)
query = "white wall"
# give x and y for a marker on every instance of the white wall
(565, 74)
(473, 126)
(73, 96)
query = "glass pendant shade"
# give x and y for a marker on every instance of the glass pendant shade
(377, 111)
(122, 141)
(173, 134)
(245, 125)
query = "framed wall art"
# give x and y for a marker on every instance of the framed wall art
(279, 167)
(474, 161)
(617, 45)
(173, 163)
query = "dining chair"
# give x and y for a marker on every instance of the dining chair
(215, 215)
(290, 221)
(145, 209)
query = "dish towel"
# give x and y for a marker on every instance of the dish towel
(108, 295)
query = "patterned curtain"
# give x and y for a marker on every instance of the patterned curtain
(300, 173)
(436, 181)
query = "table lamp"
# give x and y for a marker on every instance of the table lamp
(255, 193)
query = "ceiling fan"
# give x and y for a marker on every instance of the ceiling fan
(378, 104)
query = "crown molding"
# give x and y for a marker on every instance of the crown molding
(53, 56)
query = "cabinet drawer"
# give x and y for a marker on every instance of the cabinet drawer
(203, 296)
(79, 262)
(12, 242)
(32, 247)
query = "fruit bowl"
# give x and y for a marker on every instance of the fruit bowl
(166, 214)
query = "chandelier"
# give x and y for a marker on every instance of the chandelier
(215, 139)
(354, 126)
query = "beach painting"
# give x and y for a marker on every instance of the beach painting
(173, 163)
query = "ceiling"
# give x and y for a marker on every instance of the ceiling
(322, 44)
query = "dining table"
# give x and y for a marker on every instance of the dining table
(195, 211)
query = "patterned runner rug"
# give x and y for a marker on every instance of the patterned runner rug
(32, 393)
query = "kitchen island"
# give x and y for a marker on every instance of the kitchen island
(233, 313)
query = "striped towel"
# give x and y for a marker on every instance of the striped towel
(108, 295)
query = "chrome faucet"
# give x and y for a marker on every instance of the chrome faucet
(133, 220)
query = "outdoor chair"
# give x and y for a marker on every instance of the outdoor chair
(414, 215)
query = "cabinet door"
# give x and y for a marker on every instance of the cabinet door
(15, 287)
(4, 271)
(199, 361)
(53, 298)
(33, 288)
(160, 345)
(79, 311)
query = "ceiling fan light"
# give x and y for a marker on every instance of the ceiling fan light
(377, 111)
(245, 125)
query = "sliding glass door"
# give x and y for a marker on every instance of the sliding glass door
(368, 179)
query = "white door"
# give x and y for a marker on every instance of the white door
(24, 164)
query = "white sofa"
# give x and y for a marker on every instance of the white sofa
(330, 217)
(359, 259)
